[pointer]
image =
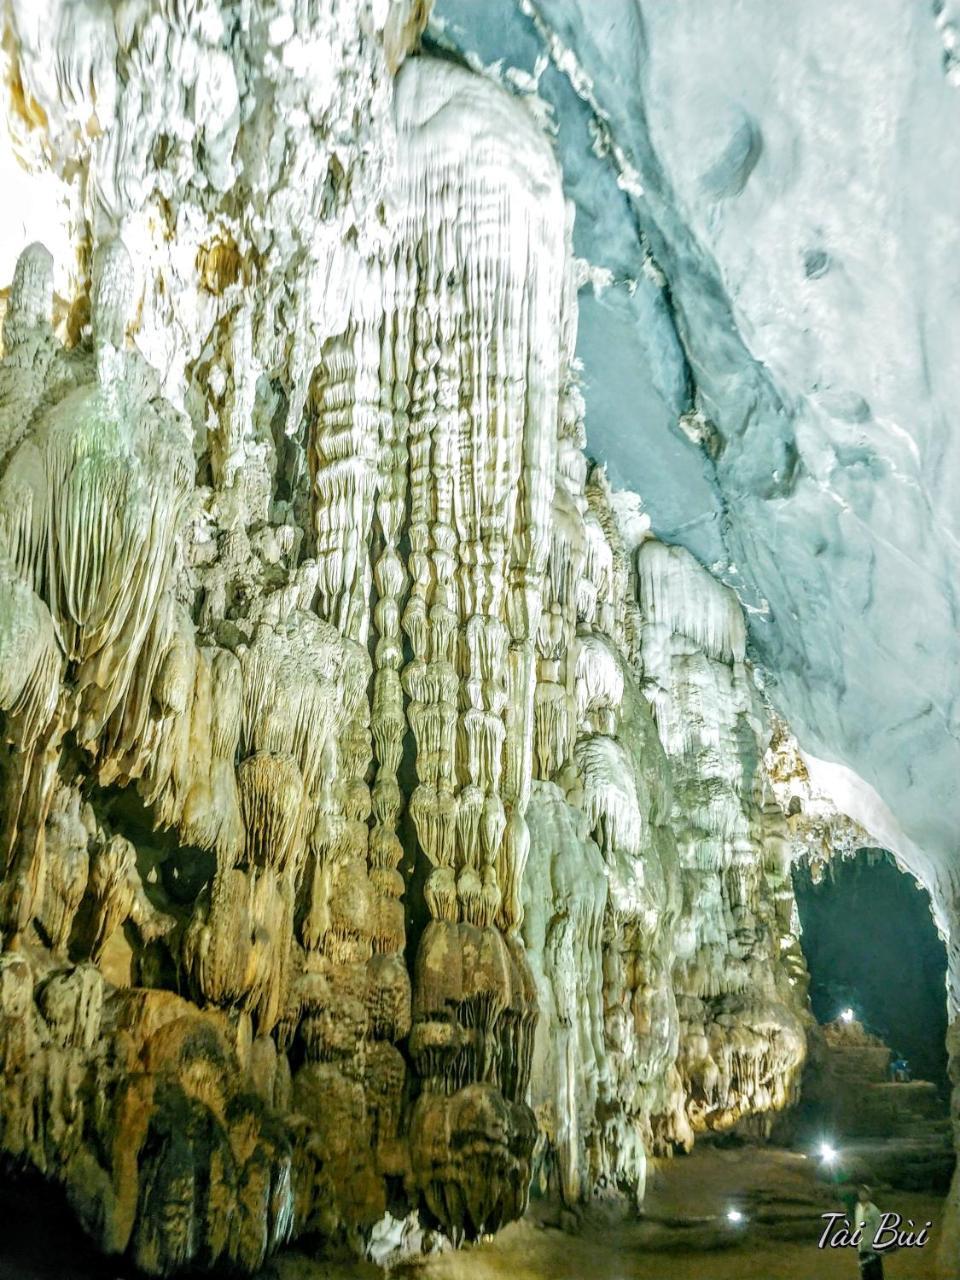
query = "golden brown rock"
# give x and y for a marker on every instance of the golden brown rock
(376, 826)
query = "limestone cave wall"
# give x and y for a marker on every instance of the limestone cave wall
(385, 817)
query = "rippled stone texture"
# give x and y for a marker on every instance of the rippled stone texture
(386, 826)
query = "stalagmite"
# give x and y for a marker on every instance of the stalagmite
(742, 1036)
(481, 227)
(382, 828)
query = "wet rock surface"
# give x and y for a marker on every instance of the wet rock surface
(389, 816)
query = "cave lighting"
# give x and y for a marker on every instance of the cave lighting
(828, 1153)
(846, 1015)
(734, 1216)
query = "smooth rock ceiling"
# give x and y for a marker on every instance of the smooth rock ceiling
(770, 194)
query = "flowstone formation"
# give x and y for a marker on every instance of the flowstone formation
(738, 968)
(383, 827)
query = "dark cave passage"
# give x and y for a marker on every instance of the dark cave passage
(871, 946)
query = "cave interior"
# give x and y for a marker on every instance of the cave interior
(478, 654)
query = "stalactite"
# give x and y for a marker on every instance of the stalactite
(316, 627)
(482, 438)
(742, 1037)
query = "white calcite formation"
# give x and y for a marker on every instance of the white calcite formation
(738, 965)
(379, 826)
(766, 201)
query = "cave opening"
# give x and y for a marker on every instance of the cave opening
(874, 1104)
(873, 951)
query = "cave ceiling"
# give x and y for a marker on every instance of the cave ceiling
(766, 206)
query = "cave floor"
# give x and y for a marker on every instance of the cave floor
(682, 1235)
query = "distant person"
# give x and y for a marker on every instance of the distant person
(868, 1217)
(900, 1071)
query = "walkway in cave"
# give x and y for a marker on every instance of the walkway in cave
(682, 1235)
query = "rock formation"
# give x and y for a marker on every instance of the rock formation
(388, 820)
